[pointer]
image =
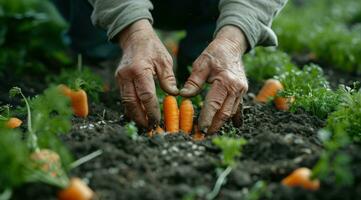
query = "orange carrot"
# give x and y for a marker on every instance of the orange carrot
(171, 114)
(269, 89)
(198, 135)
(186, 113)
(79, 100)
(13, 122)
(77, 190)
(301, 177)
(158, 130)
(283, 103)
(47, 161)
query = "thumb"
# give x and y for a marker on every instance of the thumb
(166, 78)
(197, 78)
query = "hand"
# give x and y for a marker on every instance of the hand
(144, 56)
(219, 64)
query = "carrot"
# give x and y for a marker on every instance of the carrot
(171, 114)
(301, 177)
(13, 122)
(186, 113)
(79, 100)
(158, 130)
(77, 190)
(269, 89)
(198, 135)
(283, 103)
(47, 161)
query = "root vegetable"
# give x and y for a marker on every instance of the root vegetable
(77, 190)
(157, 130)
(301, 177)
(198, 135)
(186, 113)
(269, 89)
(13, 122)
(79, 100)
(283, 103)
(171, 114)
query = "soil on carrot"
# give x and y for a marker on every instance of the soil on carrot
(175, 167)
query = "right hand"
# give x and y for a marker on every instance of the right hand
(144, 56)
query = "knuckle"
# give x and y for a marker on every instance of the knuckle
(128, 100)
(146, 97)
(215, 105)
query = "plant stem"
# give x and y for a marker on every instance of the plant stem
(33, 138)
(219, 183)
(80, 62)
(85, 159)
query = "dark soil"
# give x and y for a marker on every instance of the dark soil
(176, 167)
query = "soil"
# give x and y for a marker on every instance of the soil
(176, 167)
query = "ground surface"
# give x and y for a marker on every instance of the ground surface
(174, 166)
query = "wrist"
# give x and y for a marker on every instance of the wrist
(133, 31)
(235, 36)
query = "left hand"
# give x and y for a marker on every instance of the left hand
(220, 64)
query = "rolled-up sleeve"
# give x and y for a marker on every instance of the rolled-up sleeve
(115, 15)
(253, 17)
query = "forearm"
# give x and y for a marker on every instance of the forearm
(115, 15)
(253, 17)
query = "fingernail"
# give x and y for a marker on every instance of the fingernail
(174, 88)
(204, 130)
(184, 90)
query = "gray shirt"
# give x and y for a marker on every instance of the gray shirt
(253, 17)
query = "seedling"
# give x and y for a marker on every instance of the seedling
(32, 160)
(131, 130)
(258, 191)
(231, 149)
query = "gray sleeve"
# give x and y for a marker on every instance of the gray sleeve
(253, 17)
(115, 15)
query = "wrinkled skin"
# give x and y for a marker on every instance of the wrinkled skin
(220, 64)
(144, 56)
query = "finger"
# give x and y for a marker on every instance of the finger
(164, 71)
(198, 77)
(133, 107)
(145, 90)
(237, 118)
(213, 103)
(223, 114)
(236, 105)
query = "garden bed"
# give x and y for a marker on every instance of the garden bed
(175, 167)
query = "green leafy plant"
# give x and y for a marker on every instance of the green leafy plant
(264, 63)
(343, 129)
(13, 159)
(348, 113)
(37, 155)
(131, 130)
(4, 114)
(334, 165)
(258, 191)
(48, 115)
(231, 149)
(30, 36)
(310, 89)
(323, 32)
